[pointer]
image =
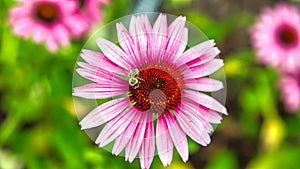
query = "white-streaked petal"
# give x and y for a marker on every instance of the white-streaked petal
(192, 126)
(206, 115)
(134, 144)
(100, 61)
(198, 112)
(140, 30)
(159, 37)
(100, 90)
(203, 84)
(147, 149)
(114, 53)
(203, 52)
(115, 127)
(205, 100)
(124, 138)
(126, 41)
(94, 73)
(178, 136)
(177, 39)
(208, 56)
(164, 141)
(104, 113)
(161, 25)
(203, 70)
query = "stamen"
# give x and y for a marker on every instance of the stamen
(155, 87)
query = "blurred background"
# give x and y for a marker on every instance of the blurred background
(39, 128)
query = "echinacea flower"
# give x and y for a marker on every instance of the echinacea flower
(90, 12)
(276, 37)
(150, 76)
(50, 21)
(290, 90)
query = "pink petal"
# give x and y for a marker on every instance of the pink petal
(101, 87)
(208, 56)
(147, 149)
(76, 26)
(178, 136)
(161, 25)
(159, 37)
(127, 43)
(104, 113)
(202, 52)
(92, 57)
(23, 27)
(203, 70)
(124, 138)
(201, 112)
(192, 126)
(164, 141)
(114, 53)
(68, 7)
(61, 35)
(107, 84)
(204, 100)
(18, 12)
(203, 84)
(51, 43)
(99, 91)
(98, 70)
(98, 59)
(140, 30)
(137, 139)
(93, 75)
(96, 74)
(177, 38)
(40, 33)
(116, 126)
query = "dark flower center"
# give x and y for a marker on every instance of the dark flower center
(287, 36)
(158, 89)
(46, 12)
(81, 3)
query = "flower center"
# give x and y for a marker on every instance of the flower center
(81, 3)
(287, 36)
(46, 11)
(158, 88)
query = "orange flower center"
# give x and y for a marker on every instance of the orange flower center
(288, 36)
(158, 89)
(46, 12)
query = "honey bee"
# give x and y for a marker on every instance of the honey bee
(133, 78)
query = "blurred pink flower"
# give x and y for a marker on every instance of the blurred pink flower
(276, 37)
(50, 21)
(90, 12)
(151, 76)
(290, 89)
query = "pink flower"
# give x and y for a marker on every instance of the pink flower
(290, 89)
(89, 11)
(276, 35)
(151, 76)
(50, 21)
